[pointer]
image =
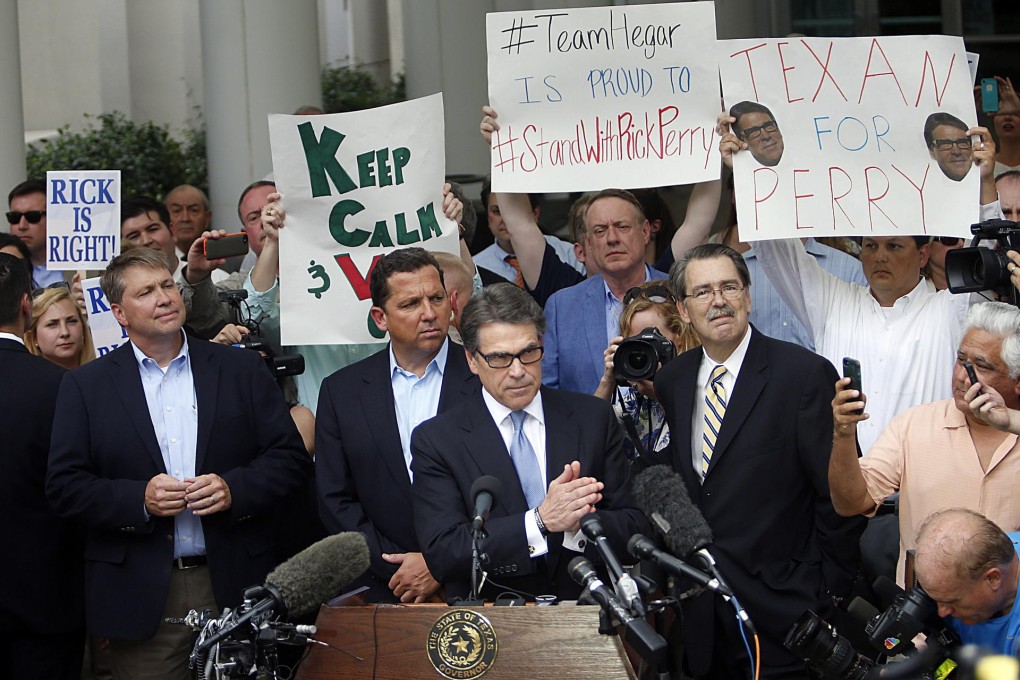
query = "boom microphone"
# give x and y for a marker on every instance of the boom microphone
(644, 549)
(302, 583)
(485, 492)
(625, 586)
(661, 494)
(649, 644)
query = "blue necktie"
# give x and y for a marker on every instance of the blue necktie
(526, 462)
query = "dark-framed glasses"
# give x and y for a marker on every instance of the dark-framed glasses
(962, 143)
(650, 293)
(32, 216)
(755, 132)
(528, 355)
(730, 291)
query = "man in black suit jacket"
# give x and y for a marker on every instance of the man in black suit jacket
(576, 462)
(763, 488)
(42, 614)
(174, 453)
(366, 414)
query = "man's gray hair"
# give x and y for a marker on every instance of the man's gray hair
(1003, 320)
(112, 280)
(499, 303)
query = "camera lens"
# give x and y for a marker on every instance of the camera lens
(635, 360)
(824, 650)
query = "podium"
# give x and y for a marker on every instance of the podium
(400, 642)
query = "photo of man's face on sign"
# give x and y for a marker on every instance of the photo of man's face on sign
(757, 127)
(945, 135)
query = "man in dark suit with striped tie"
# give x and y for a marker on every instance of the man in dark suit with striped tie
(752, 432)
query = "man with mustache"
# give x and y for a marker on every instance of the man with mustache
(751, 438)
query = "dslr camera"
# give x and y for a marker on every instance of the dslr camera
(978, 268)
(638, 357)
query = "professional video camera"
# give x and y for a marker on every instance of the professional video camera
(978, 268)
(638, 357)
(280, 366)
(890, 633)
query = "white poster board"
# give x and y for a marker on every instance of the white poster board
(355, 186)
(851, 157)
(622, 96)
(82, 218)
(107, 334)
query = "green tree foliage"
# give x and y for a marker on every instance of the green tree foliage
(150, 160)
(354, 89)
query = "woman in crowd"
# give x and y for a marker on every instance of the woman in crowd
(59, 331)
(650, 305)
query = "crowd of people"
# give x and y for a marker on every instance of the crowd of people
(177, 470)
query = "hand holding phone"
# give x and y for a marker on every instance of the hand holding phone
(972, 374)
(852, 370)
(230, 245)
(989, 95)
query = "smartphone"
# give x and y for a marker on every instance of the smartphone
(852, 370)
(972, 374)
(227, 246)
(989, 95)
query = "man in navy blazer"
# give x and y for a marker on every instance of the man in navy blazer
(173, 452)
(763, 486)
(582, 319)
(575, 462)
(366, 414)
(42, 613)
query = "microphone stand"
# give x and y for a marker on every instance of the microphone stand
(473, 600)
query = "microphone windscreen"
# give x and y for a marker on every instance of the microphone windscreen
(320, 572)
(487, 483)
(661, 494)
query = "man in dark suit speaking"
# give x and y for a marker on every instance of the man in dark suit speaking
(42, 614)
(173, 452)
(367, 412)
(752, 430)
(558, 454)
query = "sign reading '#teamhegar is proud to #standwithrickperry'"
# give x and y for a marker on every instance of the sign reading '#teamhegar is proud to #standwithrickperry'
(599, 97)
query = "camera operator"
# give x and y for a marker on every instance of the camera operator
(969, 567)
(939, 454)
(648, 306)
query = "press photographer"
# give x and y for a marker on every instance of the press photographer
(652, 334)
(980, 268)
(969, 567)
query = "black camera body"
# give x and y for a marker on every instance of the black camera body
(639, 356)
(978, 268)
(280, 366)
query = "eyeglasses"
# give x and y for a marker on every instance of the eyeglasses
(33, 216)
(755, 132)
(650, 293)
(526, 356)
(949, 241)
(730, 291)
(962, 143)
(59, 284)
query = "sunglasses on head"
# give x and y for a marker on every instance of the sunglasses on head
(59, 284)
(650, 293)
(33, 216)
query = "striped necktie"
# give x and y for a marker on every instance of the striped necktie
(715, 410)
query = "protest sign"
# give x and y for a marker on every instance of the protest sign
(355, 186)
(82, 218)
(107, 334)
(603, 97)
(857, 137)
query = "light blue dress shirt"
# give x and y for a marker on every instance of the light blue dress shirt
(173, 409)
(415, 399)
(772, 316)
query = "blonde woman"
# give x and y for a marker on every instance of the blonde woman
(59, 331)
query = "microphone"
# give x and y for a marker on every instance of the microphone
(625, 586)
(486, 492)
(649, 644)
(661, 494)
(302, 583)
(643, 548)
